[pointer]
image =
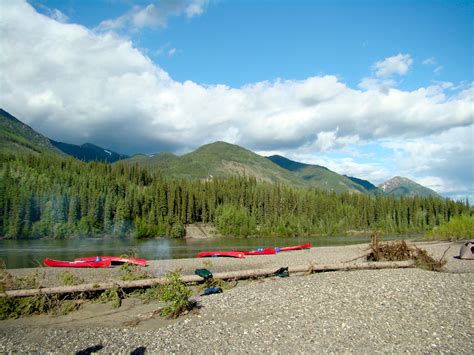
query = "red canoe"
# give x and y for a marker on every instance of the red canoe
(270, 251)
(95, 264)
(260, 251)
(115, 260)
(297, 247)
(230, 254)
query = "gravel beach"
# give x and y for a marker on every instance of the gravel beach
(397, 310)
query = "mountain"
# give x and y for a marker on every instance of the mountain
(159, 161)
(219, 159)
(17, 137)
(366, 185)
(402, 186)
(89, 152)
(222, 159)
(318, 176)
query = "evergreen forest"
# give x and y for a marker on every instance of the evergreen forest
(54, 197)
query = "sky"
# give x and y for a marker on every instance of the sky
(367, 88)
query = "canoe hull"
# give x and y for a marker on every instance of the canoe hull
(228, 254)
(115, 260)
(77, 264)
(297, 247)
(271, 251)
(265, 251)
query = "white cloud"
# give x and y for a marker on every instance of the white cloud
(438, 69)
(154, 15)
(398, 64)
(382, 85)
(97, 87)
(443, 161)
(196, 7)
(172, 52)
(429, 61)
(58, 16)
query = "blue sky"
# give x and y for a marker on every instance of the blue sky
(236, 42)
(371, 89)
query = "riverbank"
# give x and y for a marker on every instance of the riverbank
(360, 311)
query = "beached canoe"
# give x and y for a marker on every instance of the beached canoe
(259, 251)
(81, 264)
(229, 254)
(297, 247)
(270, 251)
(115, 260)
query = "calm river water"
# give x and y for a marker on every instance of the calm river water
(30, 253)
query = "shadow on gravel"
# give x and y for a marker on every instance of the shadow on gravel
(90, 350)
(139, 351)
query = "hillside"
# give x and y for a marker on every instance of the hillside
(218, 159)
(89, 152)
(318, 176)
(17, 137)
(402, 186)
(155, 162)
(366, 184)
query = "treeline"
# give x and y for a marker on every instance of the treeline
(42, 196)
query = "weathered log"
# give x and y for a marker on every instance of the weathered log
(188, 279)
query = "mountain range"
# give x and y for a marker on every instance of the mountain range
(219, 159)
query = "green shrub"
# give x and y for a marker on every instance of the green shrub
(176, 294)
(460, 227)
(177, 230)
(131, 272)
(67, 278)
(111, 295)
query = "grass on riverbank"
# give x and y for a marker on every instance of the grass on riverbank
(174, 294)
(461, 227)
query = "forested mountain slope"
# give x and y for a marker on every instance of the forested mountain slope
(89, 152)
(219, 159)
(46, 196)
(318, 176)
(216, 160)
(17, 137)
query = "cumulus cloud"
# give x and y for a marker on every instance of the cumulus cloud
(91, 86)
(442, 161)
(398, 64)
(154, 15)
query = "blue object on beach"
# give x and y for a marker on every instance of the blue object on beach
(211, 291)
(204, 273)
(282, 272)
(277, 249)
(98, 258)
(259, 249)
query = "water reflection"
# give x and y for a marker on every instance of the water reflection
(30, 253)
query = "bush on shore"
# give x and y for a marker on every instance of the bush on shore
(460, 227)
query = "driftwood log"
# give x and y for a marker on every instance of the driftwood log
(188, 279)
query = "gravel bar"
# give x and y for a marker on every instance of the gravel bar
(399, 310)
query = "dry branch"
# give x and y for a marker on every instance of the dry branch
(232, 275)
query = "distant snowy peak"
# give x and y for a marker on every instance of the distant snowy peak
(402, 186)
(394, 183)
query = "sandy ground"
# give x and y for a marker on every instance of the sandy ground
(133, 314)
